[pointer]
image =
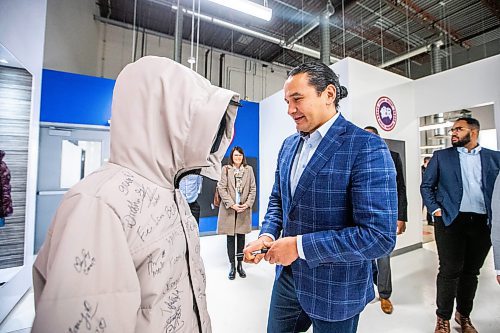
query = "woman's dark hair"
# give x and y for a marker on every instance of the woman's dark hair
(240, 150)
(320, 77)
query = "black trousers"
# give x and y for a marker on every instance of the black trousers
(462, 249)
(195, 210)
(240, 239)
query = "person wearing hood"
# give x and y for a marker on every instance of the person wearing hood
(5, 197)
(122, 253)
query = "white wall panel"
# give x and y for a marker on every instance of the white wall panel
(22, 31)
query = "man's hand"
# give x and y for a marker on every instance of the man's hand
(401, 227)
(437, 213)
(255, 246)
(498, 279)
(283, 251)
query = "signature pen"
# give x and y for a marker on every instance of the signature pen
(261, 251)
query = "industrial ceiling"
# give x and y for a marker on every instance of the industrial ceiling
(393, 34)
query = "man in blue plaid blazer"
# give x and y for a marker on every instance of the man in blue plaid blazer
(332, 210)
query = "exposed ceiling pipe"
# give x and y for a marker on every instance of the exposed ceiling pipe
(134, 35)
(405, 56)
(221, 68)
(410, 54)
(278, 41)
(324, 29)
(206, 63)
(178, 35)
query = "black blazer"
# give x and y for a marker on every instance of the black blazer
(400, 180)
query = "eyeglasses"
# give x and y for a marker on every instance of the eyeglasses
(458, 129)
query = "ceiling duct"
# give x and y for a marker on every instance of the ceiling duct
(436, 57)
(324, 29)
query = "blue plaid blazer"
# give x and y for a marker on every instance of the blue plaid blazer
(345, 206)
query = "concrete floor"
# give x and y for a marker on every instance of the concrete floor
(241, 305)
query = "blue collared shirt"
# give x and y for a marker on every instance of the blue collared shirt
(308, 146)
(190, 187)
(470, 167)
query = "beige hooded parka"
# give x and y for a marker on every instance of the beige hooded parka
(123, 253)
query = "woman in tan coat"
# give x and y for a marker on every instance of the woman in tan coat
(237, 192)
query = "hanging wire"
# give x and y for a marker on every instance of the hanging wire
(362, 39)
(198, 37)
(446, 37)
(232, 42)
(134, 41)
(302, 27)
(451, 45)
(343, 26)
(381, 30)
(408, 61)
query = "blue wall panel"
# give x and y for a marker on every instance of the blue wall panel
(75, 99)
(80, 99)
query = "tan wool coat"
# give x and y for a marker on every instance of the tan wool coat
(122, 253)
(229, 222)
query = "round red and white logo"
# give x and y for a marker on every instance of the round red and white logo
(385, 112)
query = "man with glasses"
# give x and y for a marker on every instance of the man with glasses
(457, 188)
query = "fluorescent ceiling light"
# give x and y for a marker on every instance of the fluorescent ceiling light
(432, 147)
(247, 7)
(3, 61)
(435, 126)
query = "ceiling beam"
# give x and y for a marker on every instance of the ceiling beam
(479, 33)
(494, 6)
(426, 19)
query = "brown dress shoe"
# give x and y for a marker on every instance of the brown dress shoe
(442, 326)
(465, 323)
(386, 305)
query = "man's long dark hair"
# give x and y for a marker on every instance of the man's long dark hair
(320, 77)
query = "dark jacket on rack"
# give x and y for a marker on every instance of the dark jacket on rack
(5, 198)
